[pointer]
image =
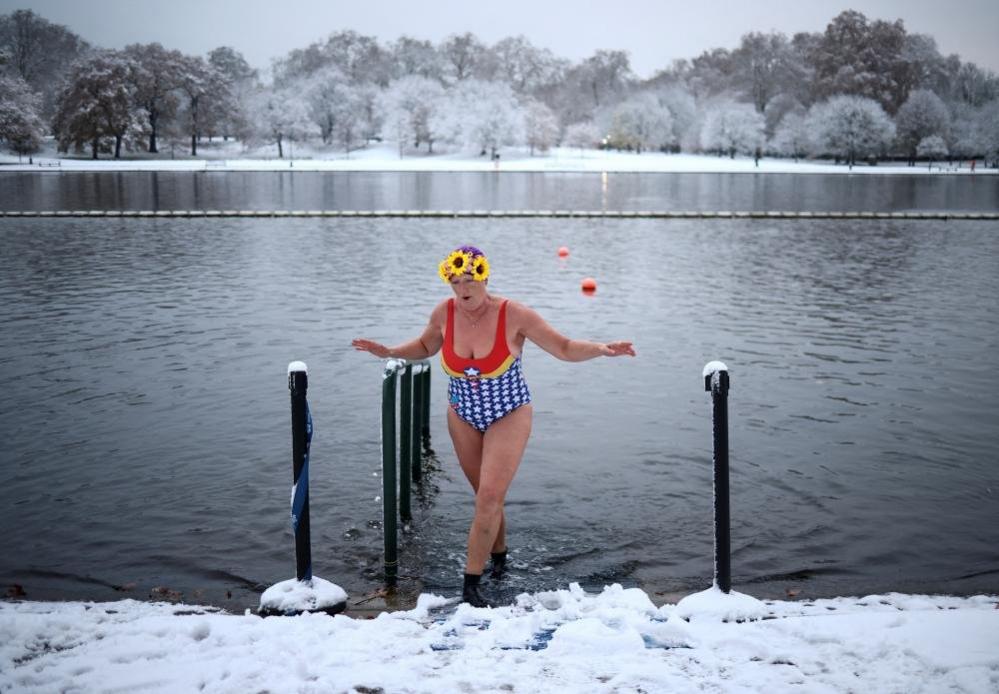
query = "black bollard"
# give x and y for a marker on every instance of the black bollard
(416, 416)
(301, 439)
(716, 381)
(406, 438)
(390, 526)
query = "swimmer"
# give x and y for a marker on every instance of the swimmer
(481, 338)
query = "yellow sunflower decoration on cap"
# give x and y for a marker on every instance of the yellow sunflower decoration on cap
(467, 259)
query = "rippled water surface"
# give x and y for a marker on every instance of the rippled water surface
(145, 415)
(228, 190)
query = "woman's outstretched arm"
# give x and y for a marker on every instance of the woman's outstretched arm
(426, 345)
(537, 330)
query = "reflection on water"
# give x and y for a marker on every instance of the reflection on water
(227, 190)
(145, 408)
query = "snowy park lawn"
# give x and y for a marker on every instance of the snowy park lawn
(232, 156)
(565, 641)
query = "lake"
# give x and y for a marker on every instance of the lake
(146, 414)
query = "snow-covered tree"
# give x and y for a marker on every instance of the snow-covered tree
(526, 68)
(154, 84)
(763, 66)
(851, 127)
(731, 127)
(641, 123)
(21, 126)
(241, 81)
(483, 115)
(98, 103)
(326, 93)
(682, 108)
(931, 148)
(194, 83)
(862, 58)
(540, 126)
(965, 134)
(278, 116)
(207, 99)
(584, 135)
(460, 55)
(411, 56)
(792, 137)
(973, 86)
(988, 130)
(408, 106)
(921, 116)
(40, 53)
(361, 58)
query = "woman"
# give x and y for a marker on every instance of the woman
(490, 411)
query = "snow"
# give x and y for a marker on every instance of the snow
(711, 367)
(294, 596)
(564, 640)
(297, 366)
(385, 157)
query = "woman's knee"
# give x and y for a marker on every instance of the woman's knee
(489, 500)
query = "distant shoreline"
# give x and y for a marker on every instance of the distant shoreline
(561, 160)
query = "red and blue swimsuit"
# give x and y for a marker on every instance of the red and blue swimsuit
(483, 390)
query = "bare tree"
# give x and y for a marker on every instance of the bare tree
(461, 53)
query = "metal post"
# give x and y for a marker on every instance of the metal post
(405, 442)
(417, 415)
(716, 381)
(426, 404)
(301, 439)
(389, 525)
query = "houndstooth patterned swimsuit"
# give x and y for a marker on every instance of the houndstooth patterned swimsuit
(483, 390)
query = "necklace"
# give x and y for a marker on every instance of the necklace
(475, 322)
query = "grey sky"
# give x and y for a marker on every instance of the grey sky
(653, 32)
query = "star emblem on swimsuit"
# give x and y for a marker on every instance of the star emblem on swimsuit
(472, 372)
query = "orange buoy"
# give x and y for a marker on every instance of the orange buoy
(563, 251)
(589, 285)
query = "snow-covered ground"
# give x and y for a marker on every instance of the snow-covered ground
(384, 157)
(561, 641)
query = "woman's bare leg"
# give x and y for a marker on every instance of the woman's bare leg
(503, 447)
(467, 442)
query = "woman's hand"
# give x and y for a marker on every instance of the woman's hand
(376, 348)
(617, 349)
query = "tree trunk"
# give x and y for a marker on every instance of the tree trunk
(194, 127)
(94, 145)
(280, 149)
(153, 118)
(117, 146)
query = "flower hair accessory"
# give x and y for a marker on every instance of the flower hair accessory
(467, 259)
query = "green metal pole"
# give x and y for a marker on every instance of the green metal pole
(417, 416)
(405, 442)
(426, 402)
(389, 523)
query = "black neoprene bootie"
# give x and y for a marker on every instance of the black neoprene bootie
(470, 591)
(499, 564)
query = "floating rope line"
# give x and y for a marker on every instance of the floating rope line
(489, 214)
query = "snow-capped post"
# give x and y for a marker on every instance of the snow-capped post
(305, 592)
(716, 382)
(301, 440)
